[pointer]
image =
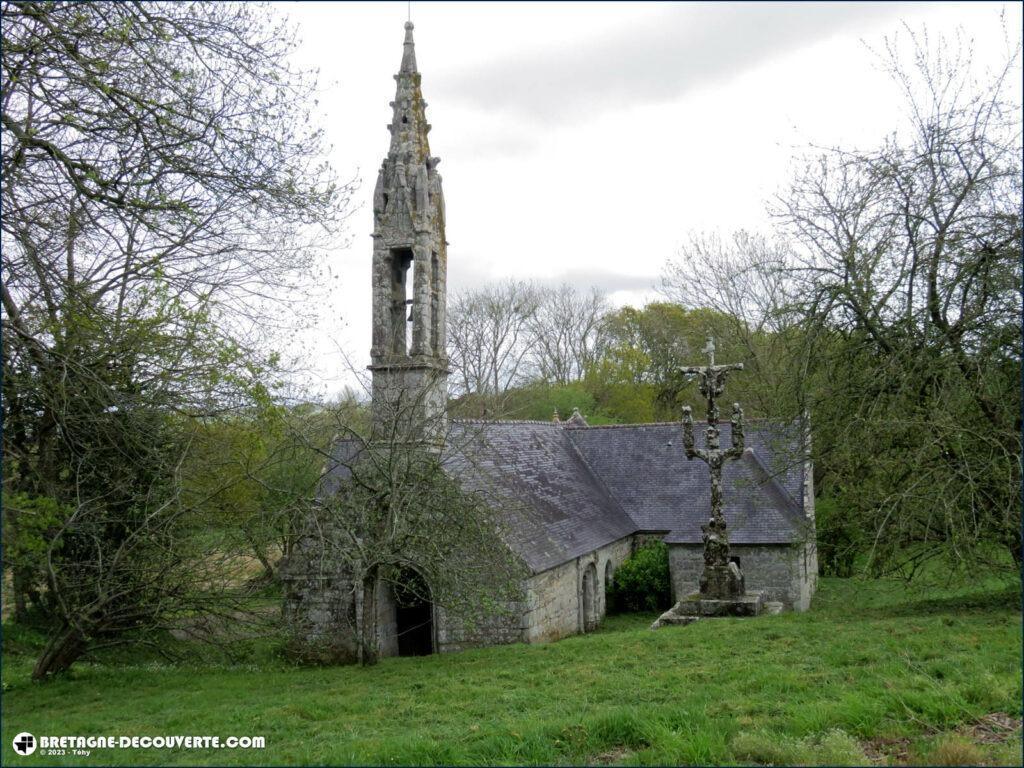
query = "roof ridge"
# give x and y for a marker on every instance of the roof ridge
(600, 480)
(788, 505)
(508, 421)
(567, 425)
(759, 420)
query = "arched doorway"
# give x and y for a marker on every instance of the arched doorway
(414, 615)
(590, 614)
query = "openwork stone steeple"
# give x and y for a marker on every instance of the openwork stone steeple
(409, 363)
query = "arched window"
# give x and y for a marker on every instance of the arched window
(590, 609)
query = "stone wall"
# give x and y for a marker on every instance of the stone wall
(387, 627)
(320, 611)
(554, 598)
(320, 615)
(552, 604)
(808, 577)
(457, 633)
(781, 570)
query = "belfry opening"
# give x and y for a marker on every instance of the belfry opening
(401, 281)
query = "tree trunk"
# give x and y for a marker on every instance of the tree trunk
(62, 650)
(368, 639)
(19, 582)
(258, 550)
(286, 541)
(268, 567)
(357, 596)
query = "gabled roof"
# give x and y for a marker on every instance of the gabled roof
(646, 470)
(564, 491)
(556, 508)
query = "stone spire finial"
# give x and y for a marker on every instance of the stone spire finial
(408, 51)
(577, 419)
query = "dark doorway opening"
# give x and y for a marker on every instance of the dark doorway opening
(414, 615)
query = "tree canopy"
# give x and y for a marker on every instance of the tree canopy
(163, 186)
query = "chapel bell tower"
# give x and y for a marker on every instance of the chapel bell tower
(409, 362)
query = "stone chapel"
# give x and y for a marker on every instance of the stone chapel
(585, 497)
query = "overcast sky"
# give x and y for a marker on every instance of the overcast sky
(583, 141)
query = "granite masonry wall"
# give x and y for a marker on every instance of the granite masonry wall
(780, 570)
(321, 613)
(554, 598)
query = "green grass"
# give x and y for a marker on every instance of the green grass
(871, 664)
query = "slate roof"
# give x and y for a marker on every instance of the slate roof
(647, 472)
(557, 508)
(565, 490)
(344, 454)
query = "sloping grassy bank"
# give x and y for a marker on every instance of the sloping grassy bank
(873, 671)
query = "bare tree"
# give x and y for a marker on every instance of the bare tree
(393, 500)
(908, 280)
(489, 339)
(748, 279)
(127, 576)
(744, 277)
(161, 188)
(567, 332)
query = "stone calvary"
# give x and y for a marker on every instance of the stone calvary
(722, 591)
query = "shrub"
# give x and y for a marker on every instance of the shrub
(838, 541)
(837, 747)
(954, 750)
(642, 582)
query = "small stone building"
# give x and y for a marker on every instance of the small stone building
(577, 500)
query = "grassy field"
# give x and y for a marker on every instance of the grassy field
(873, 673)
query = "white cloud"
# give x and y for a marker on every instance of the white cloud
(588, 139)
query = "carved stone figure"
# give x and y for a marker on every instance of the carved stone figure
(421, 189)
(379, 197)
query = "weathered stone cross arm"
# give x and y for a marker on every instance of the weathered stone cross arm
(712, 384)
(703, 369)
(738, 442)
(712, 377)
